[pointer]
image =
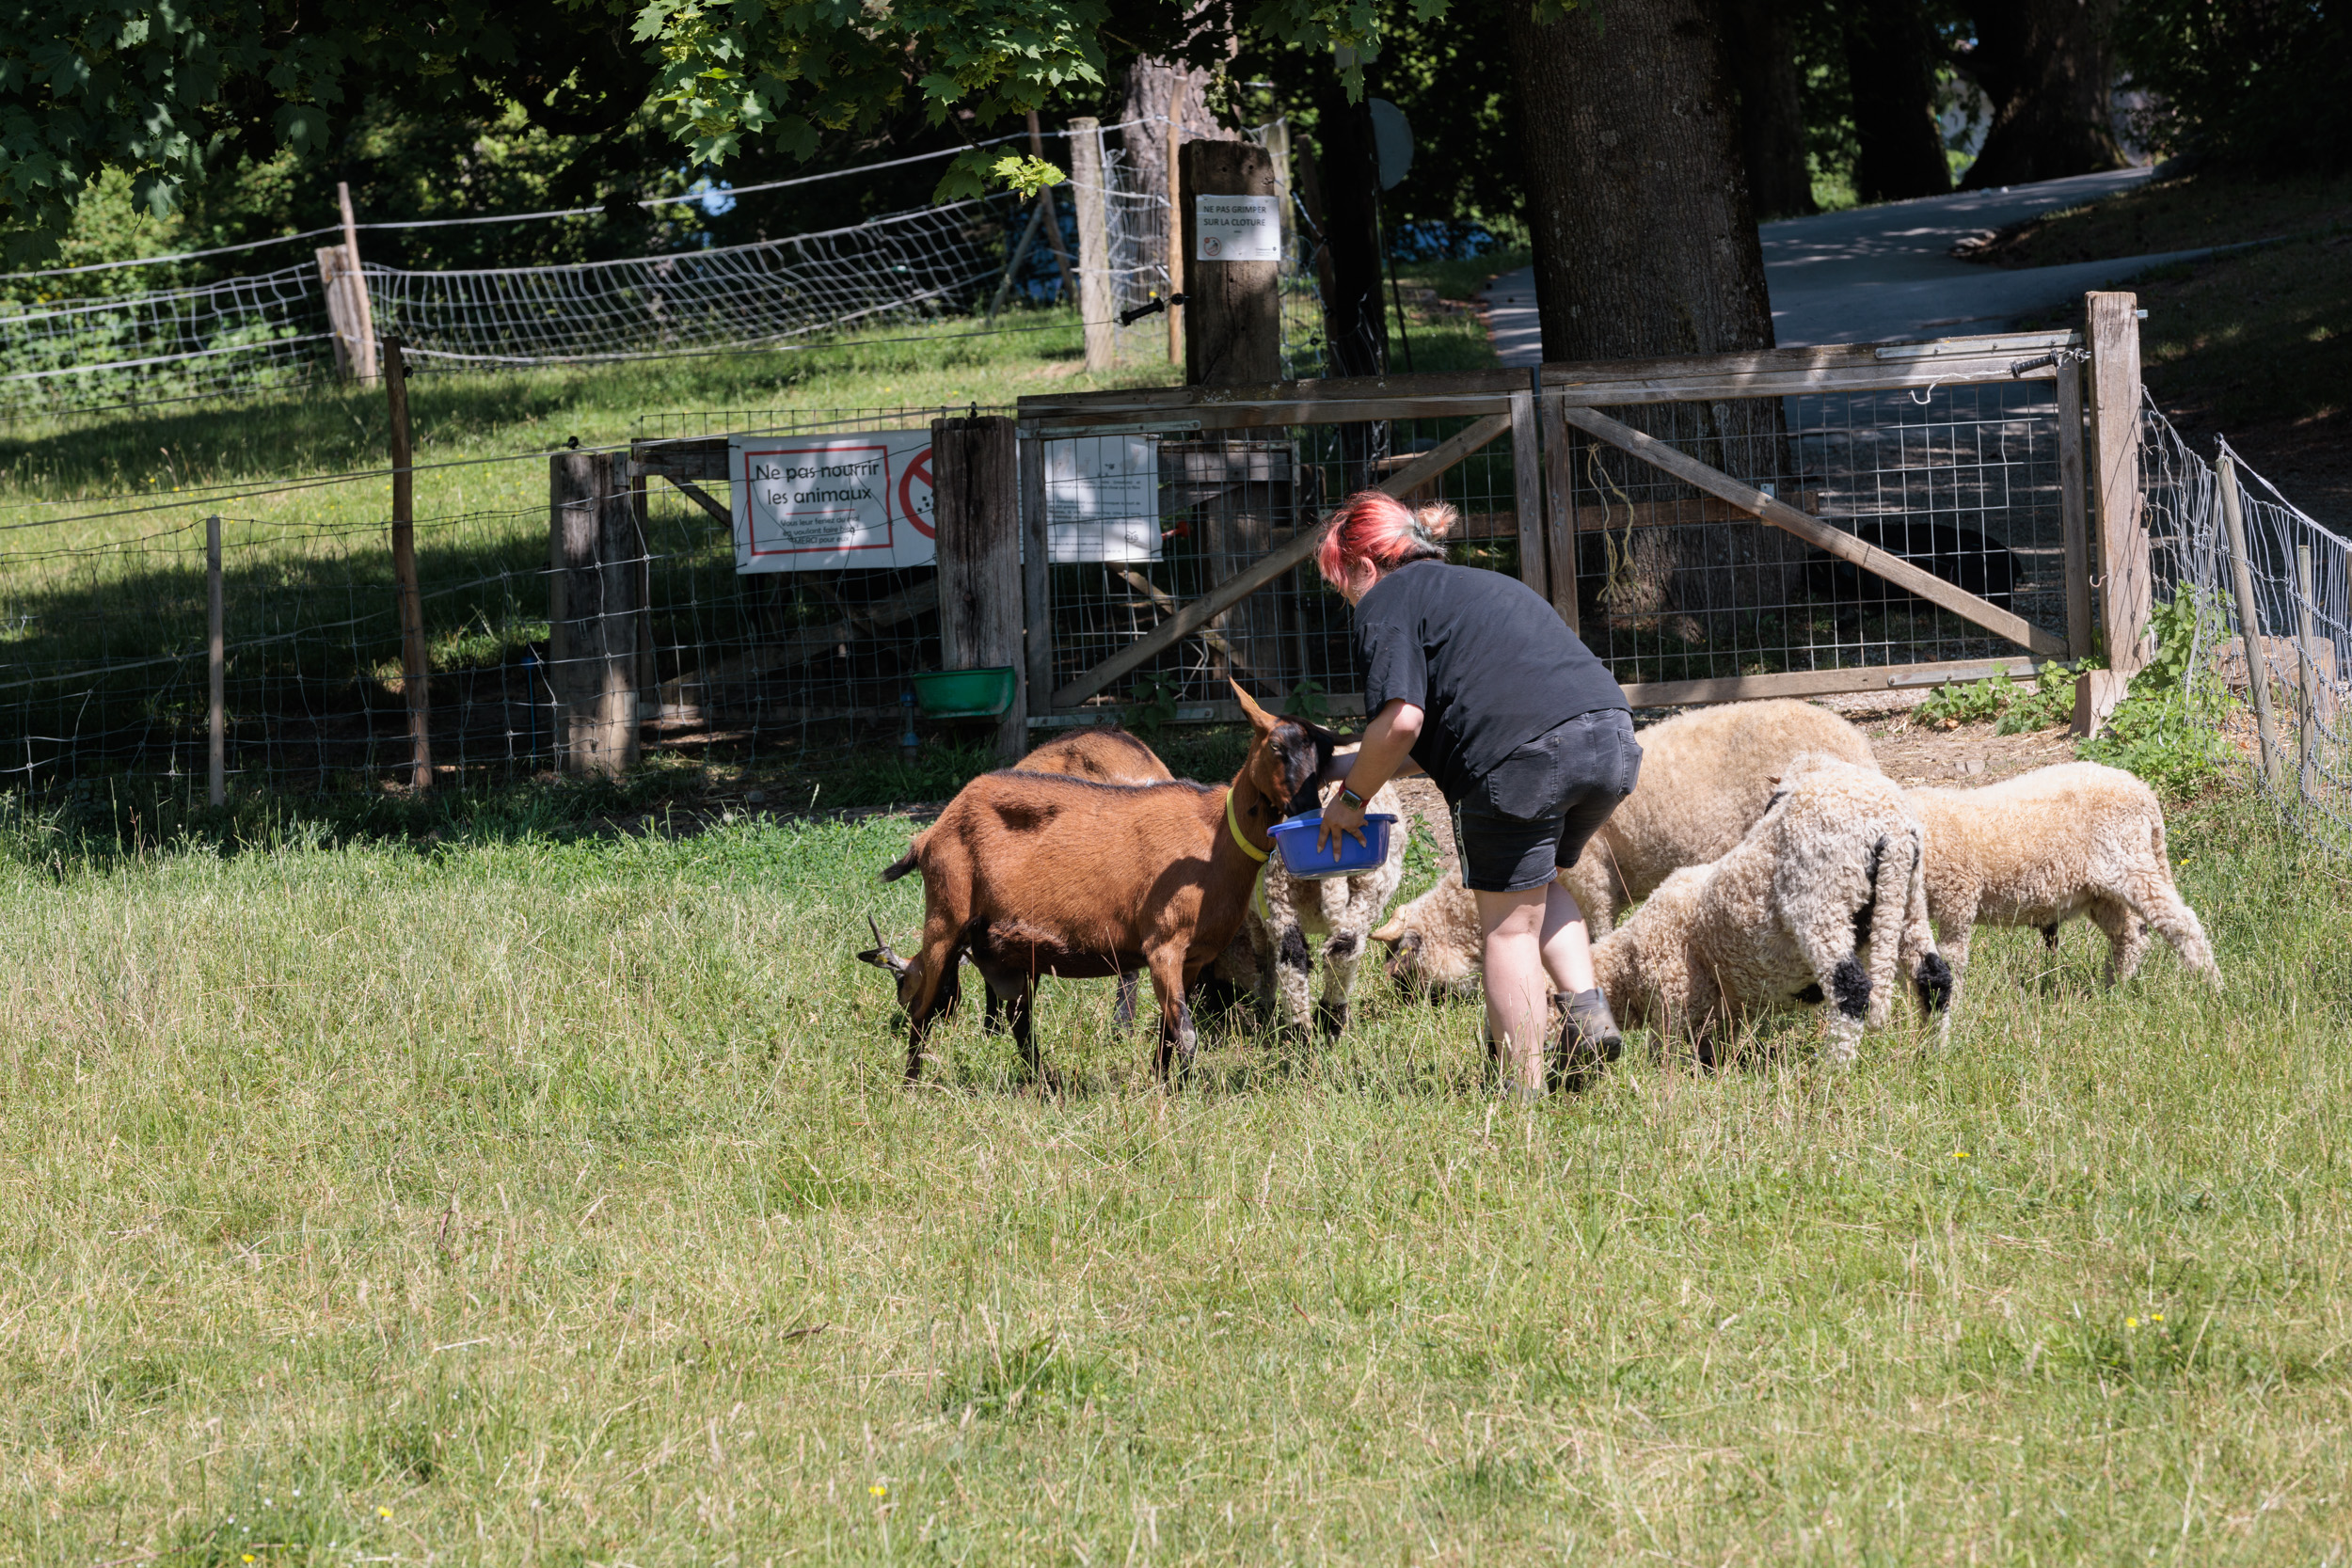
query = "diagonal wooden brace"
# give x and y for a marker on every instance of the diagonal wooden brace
(1266, 568)
(1814, 532)
(703, 499)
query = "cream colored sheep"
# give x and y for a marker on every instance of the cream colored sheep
(1341, 909)
(1706, 776)
(1835, 863)
(2047, 846)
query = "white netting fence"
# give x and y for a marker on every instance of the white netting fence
(66, 344)
(2291, 584)
(734, 296)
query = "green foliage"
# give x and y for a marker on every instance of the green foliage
(2257, 85)
(1305, 700)
(1155, 698)
(2020, 708)
(2163, 729)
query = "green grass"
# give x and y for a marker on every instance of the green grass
(508, 1200)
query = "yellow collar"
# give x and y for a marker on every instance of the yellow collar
(1232, 826)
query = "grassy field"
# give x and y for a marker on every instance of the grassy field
(502, 1199)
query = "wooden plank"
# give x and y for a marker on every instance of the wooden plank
(1851, 367)
(1815, 532)
(703, 499)
(692, 457)
(363, 310)
(1685, 512)
(2124, 577)
(1175, 233)
(1234, 589)
(1527, 484)
(2073, 514)
(977, 490)
(1816, 683)
(1336, 704)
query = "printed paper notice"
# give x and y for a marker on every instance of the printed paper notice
(1237, 227)
(819, 503)
(1102, 499)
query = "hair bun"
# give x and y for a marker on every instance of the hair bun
(1436, 519)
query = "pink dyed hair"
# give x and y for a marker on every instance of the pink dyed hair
(1374, 526)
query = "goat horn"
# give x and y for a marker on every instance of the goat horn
(1392, 931)
(880, 955)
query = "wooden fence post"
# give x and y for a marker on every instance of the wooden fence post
(2074, 510)
(1036, 579)
(1234, 327)
(1096, 305)
(1527, 477)
(977, 500)
(594, 554)
(2307, 676)
(2249, 621)
(1560, 509)
(362, 312)
(216, 669)
(1175, 233)
(415, 669)
(2112, 334)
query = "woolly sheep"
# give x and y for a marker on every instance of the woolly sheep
(1341, 909)
(1706, 776)
(1835, 863)
(2047, 846)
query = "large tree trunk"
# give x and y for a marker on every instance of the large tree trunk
(1354, 316)
(1771, 118)
(1646, 244)
(2047, 66)
(1890, 59)
(1152, 88)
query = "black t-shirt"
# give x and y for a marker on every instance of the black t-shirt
(1483, 656)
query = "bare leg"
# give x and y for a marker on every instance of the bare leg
(1518, 990)
(1567, 943)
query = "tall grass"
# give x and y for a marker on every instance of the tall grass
(501, 1198)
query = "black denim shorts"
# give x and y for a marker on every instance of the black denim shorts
(1532, 814)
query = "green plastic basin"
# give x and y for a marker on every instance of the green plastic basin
(964, 693)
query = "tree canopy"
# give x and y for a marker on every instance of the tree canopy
(165, 89)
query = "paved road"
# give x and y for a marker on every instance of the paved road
(1880, 274)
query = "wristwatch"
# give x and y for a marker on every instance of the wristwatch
(1350, 798)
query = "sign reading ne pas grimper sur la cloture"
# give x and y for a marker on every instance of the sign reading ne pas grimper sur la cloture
(808, 503)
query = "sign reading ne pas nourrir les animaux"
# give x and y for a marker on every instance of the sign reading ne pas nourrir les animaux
(805, 503)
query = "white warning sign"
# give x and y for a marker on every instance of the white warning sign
(1102, 499)
(806, 503)
(1237, 227)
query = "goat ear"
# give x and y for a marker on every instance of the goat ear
(1260, 718)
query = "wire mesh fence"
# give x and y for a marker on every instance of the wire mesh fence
(2278, 694)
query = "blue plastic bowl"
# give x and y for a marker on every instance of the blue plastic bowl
(1295, 839)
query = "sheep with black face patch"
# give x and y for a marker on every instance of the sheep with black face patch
(1835, 865)
(1341, 909)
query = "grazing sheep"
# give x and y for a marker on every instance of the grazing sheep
(2047, 846)
(1341, 909)
(1034, 874)
(1706, 776)
(1836, 862)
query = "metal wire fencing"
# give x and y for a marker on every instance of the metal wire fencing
(2244, 559)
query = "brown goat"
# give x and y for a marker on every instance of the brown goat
(1034, 874)
(1106, 756)
(1101, 754)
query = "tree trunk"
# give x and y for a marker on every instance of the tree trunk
(1153, 85)
(1646, 244)
(1354, 318)
(1771, 118)
(2048, 65)
(1890, 59)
